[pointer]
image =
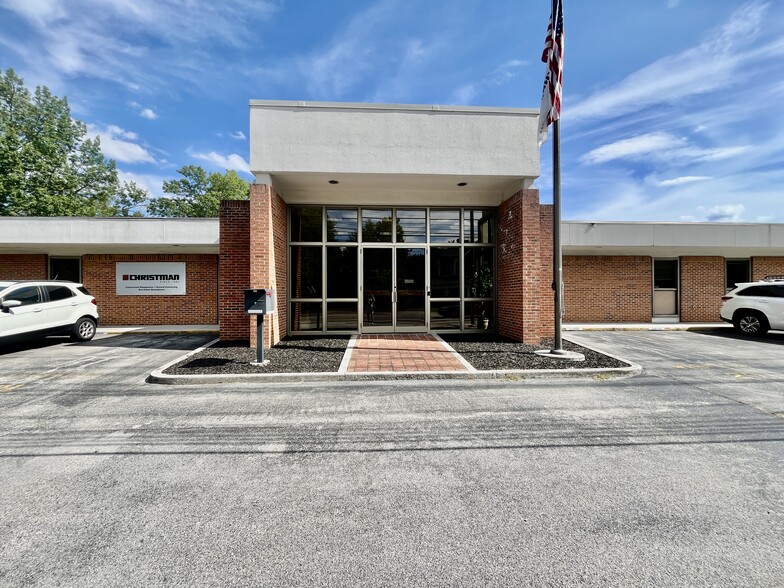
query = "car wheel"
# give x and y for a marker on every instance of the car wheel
(750, 323)
(84, 329)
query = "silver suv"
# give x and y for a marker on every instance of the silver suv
(755, 307)
(40, 308)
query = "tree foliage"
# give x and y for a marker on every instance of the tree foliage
(197, 194)
(48, 165)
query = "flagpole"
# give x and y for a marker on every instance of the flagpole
(557, 254)
(553, 90)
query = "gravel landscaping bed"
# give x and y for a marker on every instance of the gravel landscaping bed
(292, 355)
(493, 352)
(324, 354)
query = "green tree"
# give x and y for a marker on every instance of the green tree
(130, 200)
(47, 165)
(198, 194)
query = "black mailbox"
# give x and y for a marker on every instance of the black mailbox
(259, 301)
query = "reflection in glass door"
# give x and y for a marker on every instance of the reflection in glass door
(394, 289)
(410, 294)
(377, 289)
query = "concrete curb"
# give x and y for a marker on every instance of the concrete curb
(185, 330)
(654, 327)
(158, 377)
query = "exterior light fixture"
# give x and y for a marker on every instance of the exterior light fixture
(334, 182)
(461, 184)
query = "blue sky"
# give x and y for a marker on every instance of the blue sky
(672, 108)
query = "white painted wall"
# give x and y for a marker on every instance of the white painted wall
(78, 235)
(672, 239)
(318, 137)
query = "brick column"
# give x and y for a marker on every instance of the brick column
(520, 271)
(267, 262)
(701, 288)
(234, 269)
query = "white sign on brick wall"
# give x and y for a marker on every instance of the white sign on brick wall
(150, 278)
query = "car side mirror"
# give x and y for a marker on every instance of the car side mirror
(9, 304)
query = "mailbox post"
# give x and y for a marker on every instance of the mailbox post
(260, 301)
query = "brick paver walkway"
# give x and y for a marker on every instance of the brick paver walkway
(402, 353)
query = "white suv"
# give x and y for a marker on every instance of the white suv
(755, 307)
(39, 308)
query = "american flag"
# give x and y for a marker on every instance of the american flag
(552, 55)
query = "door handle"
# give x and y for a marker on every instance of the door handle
(37, 309)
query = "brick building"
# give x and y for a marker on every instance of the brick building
(369, 218)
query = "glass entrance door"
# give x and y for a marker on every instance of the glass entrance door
(410, 289)
(394, 290)
(377, 289)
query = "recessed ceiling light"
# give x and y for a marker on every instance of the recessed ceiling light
(334, 182)
(461, 184)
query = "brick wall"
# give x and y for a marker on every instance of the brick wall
(701, 288)
(607, 288)
(24, 267)
(234, 269)
(766, 266)
(268, 268)
(520, 286)
(197, 307)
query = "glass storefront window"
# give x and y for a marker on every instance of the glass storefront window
(342, 316)
(445, 272)
(306, 225)
(306, 272)
(377, 225)
(479, 276)
(342, 225)
(478, 225)
(445, 226)
(306, 316)
(411, 226)
(445, 315)
(479, 316)
(342, 272)
(386, 269)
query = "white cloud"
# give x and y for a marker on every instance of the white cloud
(150, 182)
(722, 153)
(232, 161)
(239, 135)
(632, 147)
(725, 213)
(99, 38)
(466, 93)
(148, 113)
(332, 71)
(718, 61)
(660, 147)
(117, 144)
(682, 180)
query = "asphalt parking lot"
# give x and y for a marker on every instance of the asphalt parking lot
(670, 478)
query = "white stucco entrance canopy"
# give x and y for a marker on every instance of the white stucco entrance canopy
(394, 154)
